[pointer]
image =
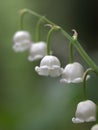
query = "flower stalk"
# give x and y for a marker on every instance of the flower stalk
(71, 59)
(25, 11)
(53, 28)
(75, 42)
(21, 18)
(38, 29)
(85, 76)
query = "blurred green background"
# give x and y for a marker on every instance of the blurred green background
(32, 102)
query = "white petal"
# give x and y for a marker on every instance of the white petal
(90, 119)
(37, 57)
(55, 72)
(44, 71)
(77, 120)
(77, 80)
(95, 127)
(65, 81)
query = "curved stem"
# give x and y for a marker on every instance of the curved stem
(22, 14)
(38, 29)
(84, 81)
(24, 11)
(49, 37)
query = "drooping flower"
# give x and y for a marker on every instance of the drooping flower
(22, 41)
(49, 66)
(37, 51)
(85, 112)
(95, 127)
(73, 73)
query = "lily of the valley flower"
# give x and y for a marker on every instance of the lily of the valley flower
(22, 41)
(95, 127)
(85, 112)
(37, 51)
(49, 66)
(73, 73)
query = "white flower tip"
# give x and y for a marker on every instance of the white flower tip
(37, 57)
(88, 76)
(75, 35)
(77, 120)
(20, 47)
(37, 69)
(68, 81)
(90, 119)
(43, 71)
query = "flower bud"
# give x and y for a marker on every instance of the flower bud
(49, 66)
(73, 73)
(85, 112)
(22, 41)
(37, 51)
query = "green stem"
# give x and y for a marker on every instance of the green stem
(49, 38)
(71, 52)
(38, 29)
(84, 81)
(85, 56)
(48, 41)
(24, 11)
(79, 48)
(22, 14)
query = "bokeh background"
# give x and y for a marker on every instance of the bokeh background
(32, 102)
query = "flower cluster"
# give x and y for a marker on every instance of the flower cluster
(50, 65)
(23, 41)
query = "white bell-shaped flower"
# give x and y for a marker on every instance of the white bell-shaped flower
(22, 41)
(73, 73)
(37, 51)
(95, 127)
(49, 66)
(85, 112)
